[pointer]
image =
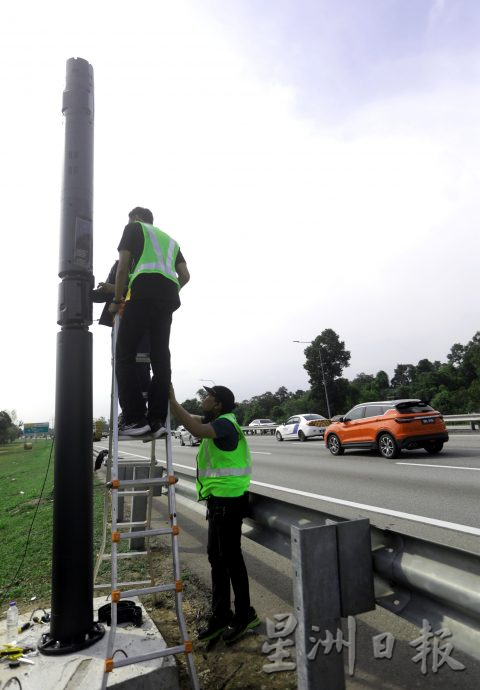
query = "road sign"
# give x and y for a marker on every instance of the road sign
(36, 428)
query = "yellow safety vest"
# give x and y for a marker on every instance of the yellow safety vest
(158, 256)
(223, 472)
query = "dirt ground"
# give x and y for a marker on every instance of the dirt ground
(219, 667)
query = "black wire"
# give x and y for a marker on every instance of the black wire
(12, 582)
(10, 680)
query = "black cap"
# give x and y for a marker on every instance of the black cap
(222, 395)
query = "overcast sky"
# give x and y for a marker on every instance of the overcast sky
(317, 161)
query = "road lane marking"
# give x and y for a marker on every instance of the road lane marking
(444, 467)
(259, 452)
(145, 457)
(375, 509)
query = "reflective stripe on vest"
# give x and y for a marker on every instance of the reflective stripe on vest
(165, 265)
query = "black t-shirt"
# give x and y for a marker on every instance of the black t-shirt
(148, 285)
(227, 435)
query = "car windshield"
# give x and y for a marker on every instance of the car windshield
(410, 407)
(266, 421)
(309, 417)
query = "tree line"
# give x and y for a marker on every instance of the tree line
(452, 387)
(9, 426)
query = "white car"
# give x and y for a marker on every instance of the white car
(178, 431)
(188, 439)
(301, 427)
(264, 426)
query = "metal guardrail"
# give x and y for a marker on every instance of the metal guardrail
(453, 421)
(415, 579)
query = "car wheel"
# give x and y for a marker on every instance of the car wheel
(387, 446)
(334, 445)
(279, 436)
(301, 436)
(434, 446)
(182, 442)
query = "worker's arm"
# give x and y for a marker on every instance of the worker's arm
(183, 274)
(121, 278)
(193, 423)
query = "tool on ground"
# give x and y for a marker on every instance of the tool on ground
(15, 655)
(120, 591)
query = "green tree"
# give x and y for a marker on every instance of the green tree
(9, 426)
(326, 358)
(402, 379)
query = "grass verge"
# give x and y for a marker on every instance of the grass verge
(26, 514)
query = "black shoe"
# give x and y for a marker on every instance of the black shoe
(158, 429)
(134, 429)
(239, 626)
(214, 628)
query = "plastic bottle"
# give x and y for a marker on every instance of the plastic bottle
(12, 623)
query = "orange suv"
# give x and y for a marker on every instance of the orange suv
(389, 427)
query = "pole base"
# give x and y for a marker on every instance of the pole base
(51, 647)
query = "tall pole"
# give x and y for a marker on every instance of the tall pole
(72, 626)
(310, 342)
(324, 384)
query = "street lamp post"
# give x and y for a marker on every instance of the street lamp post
(310, 342)
(209, 381)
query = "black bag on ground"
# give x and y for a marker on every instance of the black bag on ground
(127, 612)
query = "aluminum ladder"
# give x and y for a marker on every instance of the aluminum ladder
(127, 487)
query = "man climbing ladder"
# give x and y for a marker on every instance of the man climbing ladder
(151, 271)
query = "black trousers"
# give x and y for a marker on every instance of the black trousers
(141, 317)
(225, 516)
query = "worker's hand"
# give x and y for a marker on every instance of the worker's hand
(108, 288)
(114, 307)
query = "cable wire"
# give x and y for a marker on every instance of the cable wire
(12, 581)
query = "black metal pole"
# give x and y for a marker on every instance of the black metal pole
(72, 624)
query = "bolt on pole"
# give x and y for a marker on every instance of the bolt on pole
(72, 625)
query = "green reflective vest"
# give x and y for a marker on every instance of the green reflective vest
(223, 472)
(158, 256)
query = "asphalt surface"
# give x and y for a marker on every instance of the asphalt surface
(436, 497)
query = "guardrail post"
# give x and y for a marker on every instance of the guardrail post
(333, 577)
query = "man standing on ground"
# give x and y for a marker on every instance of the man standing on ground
(224, 467)
(151, 270)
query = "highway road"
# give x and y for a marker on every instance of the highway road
(434, 497)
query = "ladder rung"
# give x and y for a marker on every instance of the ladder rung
(124, 554)
(134, 493)
(141, 437)
(121, 661)
(146, 590)
(152, 481)
(108, 585)
(142, 523)
(146, 533)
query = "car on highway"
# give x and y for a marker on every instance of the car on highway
(388, 426)
(178, 431)
(302, 427)
(188, 439)
(263, 426)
